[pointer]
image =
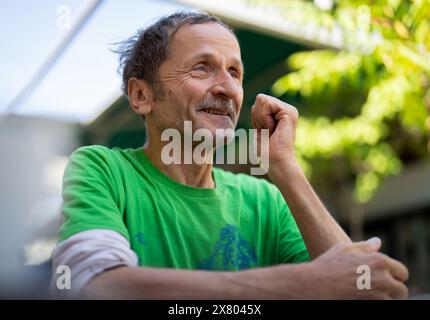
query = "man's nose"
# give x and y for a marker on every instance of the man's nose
(226, 87)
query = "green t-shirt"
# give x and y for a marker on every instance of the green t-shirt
(242, 223)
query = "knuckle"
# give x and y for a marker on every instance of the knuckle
(385, 261)
(372, 258)
(261, 97)
(294, 111)
(381, 283)
(380, 260)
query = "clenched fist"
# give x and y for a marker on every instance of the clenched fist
(280, 119)
(335, 273)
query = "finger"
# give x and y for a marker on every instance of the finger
(265, 116)
(397, 269)
(255, 118)
(287, 110)
(254, 122)
(269, 122)
(273, 105)
(398, 290)
(259, 124)
(371, 245)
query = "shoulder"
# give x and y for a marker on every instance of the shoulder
(96, 154)
(91, 152)
(94, 160)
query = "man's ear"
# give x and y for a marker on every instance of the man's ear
(140, 95)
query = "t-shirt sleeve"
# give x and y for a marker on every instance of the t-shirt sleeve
(292, 248)
(90, 196)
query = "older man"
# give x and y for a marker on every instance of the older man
(138, 228)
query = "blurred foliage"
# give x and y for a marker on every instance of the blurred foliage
(364, 104)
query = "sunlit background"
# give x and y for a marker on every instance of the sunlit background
(358, 71)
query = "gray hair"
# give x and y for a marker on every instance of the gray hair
(142, 54)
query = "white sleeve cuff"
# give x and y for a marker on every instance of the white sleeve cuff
(87, 254)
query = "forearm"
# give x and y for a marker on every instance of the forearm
(158, 283)
(318, 228)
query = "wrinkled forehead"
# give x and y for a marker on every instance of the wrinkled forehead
(204, 40)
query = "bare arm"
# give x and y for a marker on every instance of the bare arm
(318, 228)
(161, 283)
(331, 276)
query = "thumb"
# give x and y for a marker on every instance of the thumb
(371, 245)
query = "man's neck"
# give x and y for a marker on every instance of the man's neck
(193, 175)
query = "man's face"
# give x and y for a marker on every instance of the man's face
(201, 80)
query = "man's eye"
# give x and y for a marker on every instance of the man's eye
(201, 68)
(234, 73)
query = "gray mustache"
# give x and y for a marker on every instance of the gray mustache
(218, 104)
